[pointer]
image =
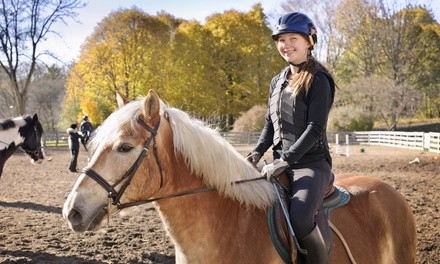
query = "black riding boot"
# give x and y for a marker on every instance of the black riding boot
(315, 246)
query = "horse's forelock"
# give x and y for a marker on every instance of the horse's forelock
(122, 121)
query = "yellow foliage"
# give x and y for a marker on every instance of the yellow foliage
(131, 52)
(89, 107)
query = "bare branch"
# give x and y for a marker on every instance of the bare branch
(23, 26)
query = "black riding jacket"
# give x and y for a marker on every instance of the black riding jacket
(86, 126)
(307, 141)
(73, 138)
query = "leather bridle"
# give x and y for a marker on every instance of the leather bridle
(29, 152)
(115, 196)
(39, 147)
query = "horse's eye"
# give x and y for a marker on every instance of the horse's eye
(125, 147)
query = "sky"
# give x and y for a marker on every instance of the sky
(74, 34)
(67, 47)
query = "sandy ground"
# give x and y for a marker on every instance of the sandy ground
(32, 229)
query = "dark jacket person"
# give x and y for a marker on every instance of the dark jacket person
(74, 138)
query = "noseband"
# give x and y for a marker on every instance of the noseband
(115, 196)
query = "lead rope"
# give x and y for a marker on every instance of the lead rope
(347, 249)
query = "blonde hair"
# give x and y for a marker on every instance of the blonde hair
(304, 78)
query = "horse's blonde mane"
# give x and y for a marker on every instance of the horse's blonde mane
(211, 157)
(206, 153)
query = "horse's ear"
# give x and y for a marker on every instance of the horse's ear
(35, 118)
(122, 100)
(151, 109)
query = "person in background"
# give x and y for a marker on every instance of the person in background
(300, 99)
(86, 129)
(74, 138)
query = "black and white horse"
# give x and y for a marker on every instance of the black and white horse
(25, 132)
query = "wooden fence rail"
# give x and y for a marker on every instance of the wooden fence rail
(410, 140)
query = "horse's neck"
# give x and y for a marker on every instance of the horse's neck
(9, 136)
(5, 154)
(194, 218)
(204, 226)
(10, 140)
(194, 221)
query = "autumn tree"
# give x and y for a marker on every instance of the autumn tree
(215, 71)
(423, 71)
(247, 58)
(24, 25)
(192, 73)
(125, 55)
(391, 44)
(356, 23)
(7, 101)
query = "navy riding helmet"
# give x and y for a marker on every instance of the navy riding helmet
(296, 23)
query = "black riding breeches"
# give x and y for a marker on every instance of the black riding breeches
(309, 185)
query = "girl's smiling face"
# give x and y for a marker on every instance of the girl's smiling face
(293, 47)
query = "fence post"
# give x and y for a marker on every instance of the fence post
(337, 143)
(347, 143)
(426, 141)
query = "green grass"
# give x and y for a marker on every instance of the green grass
(53, 143)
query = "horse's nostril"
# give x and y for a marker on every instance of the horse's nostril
(74, 217)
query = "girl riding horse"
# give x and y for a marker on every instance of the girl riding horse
(146, 152)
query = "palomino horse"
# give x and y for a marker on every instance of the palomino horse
(147, 152)
(25, 132)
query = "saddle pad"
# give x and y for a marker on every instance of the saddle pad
(344, 199)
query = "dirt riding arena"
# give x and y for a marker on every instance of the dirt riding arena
(32, 229)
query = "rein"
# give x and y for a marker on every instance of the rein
(184, 193)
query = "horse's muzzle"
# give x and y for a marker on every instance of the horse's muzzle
(80, 224)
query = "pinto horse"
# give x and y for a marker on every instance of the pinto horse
(149, 152)
(25, 132)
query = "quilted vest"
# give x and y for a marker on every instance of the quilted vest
(288, 114)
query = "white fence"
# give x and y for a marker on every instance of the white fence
(241, 138)
(409, 140)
